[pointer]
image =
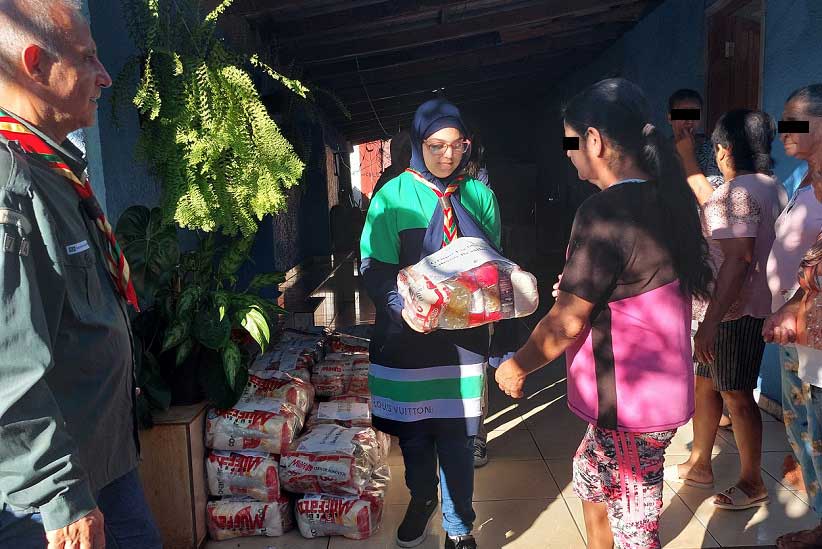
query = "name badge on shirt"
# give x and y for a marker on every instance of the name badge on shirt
(74, 249)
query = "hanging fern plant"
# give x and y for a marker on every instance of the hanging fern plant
(222, 161)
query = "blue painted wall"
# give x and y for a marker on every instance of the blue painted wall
(127, 181)
(662, 53)
(793, 39)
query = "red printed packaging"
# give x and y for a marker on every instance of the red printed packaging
(250, 474)
(233, 518)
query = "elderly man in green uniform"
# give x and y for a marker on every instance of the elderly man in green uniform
(68, 438)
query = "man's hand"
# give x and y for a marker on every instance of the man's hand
(780, 327)
(705, 342)
(86, 533)
(510, 377)
(555, 291)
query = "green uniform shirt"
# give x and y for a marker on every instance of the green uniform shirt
(404, 205)
(67, 400)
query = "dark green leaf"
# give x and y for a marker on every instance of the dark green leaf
(183, 351)
(222, 303)
(240, 383)
(266, 279)
(232, 363)
(212, 379)
(175, 334)
(210, 330)
(234, 258)
(151, 248)
(152, 385)
(188, 303)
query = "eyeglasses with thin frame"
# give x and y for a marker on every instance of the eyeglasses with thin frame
(438, 148)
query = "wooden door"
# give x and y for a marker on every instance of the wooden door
(733, 75)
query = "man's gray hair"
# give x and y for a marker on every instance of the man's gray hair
(24, 22)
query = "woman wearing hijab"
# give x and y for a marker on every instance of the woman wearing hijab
(623, 312)
(427, 388)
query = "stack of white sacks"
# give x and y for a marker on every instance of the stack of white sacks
(338, 465)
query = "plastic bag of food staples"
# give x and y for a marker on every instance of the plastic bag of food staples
(251, 474)
(343, 343)
(463, 285)
(233, 518)
(333, 375)
(354, 517)
(264, 426)
(358, 384)
(346, 411)
(279, 386)
(310, 343)
(330, 459)
(295, 363)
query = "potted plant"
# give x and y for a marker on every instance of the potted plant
(192, 336)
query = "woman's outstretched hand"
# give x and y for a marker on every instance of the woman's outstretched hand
(511, 378)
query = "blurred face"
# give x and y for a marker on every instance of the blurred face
(801, 145)
(690, 126)
(75, 80)
(442, 151)
(584, 159)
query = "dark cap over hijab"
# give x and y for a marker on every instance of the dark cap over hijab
(431, 117)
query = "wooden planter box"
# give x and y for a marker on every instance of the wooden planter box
(173, 475)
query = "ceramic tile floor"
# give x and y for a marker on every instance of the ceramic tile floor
(523, 498)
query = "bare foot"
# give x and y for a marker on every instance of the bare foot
(801, 540)
(695, 473)
(792, 473)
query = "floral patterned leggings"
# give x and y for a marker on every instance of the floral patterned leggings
(802, 415)
(625, 471)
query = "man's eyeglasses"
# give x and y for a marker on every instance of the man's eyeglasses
(438, 148)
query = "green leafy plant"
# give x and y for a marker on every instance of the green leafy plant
(214, 314)
(194, 309)
(222, 161)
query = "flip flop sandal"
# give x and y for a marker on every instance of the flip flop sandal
(740, 500)
(671, 474)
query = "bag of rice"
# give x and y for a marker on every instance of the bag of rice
(234, 518)
(279, 386)
(354, 517)
(251, 474)
(330, 459)
(333, 376)
(265, 426)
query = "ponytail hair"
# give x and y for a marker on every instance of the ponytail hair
(618, 109)
(748, 135)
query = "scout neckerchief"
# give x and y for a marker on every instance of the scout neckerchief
(36, 147)
(449, 220)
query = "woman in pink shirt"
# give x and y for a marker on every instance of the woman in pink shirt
(623, 312)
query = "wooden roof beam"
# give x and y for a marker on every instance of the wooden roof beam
(355, 46)
(538, 48)
(296, 9)
(556, 29)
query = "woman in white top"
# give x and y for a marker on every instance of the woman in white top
(797, 228)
